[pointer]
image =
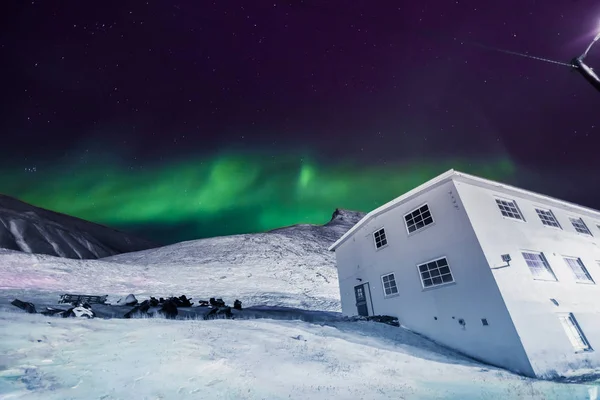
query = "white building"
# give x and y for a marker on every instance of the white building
(501, 274)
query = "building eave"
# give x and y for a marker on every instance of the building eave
(460, 176)
(482, 182)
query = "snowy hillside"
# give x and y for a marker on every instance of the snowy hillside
(30, 229)
(288, 243)
(289, 266)
(340, 223)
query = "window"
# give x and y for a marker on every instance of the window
(509, 209)
(419, 218)
(436, 272)
(547, 217)
(380, 239)
(573, 331)
(539, 267)
(580, 226)
(360, 293)
(579, 270)
(389, 284)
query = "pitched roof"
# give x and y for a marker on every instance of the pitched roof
(454, 175)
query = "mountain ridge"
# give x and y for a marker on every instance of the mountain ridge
(31, 229)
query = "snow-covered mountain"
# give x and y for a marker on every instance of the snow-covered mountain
(340, 223)
(31, 229)
(296, 241)
(288, 266)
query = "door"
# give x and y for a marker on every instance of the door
(361, 299)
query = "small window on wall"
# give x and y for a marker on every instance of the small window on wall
(509, 209)
(580, 226)
(547, 217)
(579, 270)
(539, 267)
(380, 239)
(389, 284)
(574, 332)
(418, 219)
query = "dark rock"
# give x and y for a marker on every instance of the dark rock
(216, 302)
(28, 307)
(132, 312)
(141, 309)
(181, 301)
(219, 312)
(130, 300)
(220, 303)
(169, 309)
(153, 302)
(202, 303)
(145, 306)
(184, 301)
(237, 304)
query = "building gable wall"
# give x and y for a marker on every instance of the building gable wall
(436, 312)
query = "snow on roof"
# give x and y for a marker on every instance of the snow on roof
(451, 175)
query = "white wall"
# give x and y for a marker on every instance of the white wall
(473, 296)
(528, 300)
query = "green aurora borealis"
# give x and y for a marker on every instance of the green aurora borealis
(230, 193)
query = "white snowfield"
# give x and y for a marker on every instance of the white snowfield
(309, 355)
(53, 358)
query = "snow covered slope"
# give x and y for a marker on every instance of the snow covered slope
(30, 229)
(340, 223)
(54, 358)
(288, 243)
(288, 266)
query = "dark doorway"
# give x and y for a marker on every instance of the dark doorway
(360, 292)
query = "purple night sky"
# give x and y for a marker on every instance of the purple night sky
(160, 88)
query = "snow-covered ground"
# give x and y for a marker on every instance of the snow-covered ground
(54, 358)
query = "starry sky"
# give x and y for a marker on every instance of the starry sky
(186, 119)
